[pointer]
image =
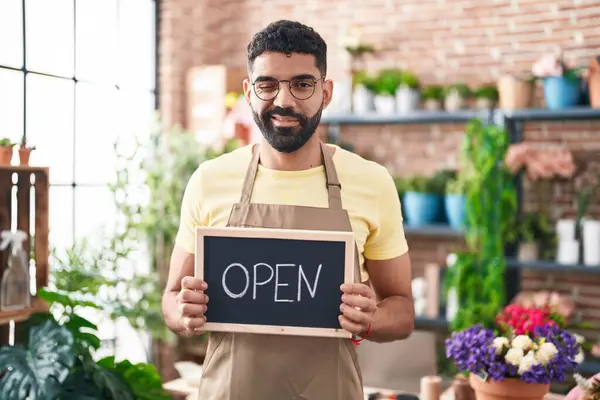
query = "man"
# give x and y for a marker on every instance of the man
(292, 180)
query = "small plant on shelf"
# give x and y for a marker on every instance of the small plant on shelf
(486, 97)
(6, 151)
(456, 97)
(408, 96)
(422, 200)
(561, 82)
(535, 237)
(25, 150)
(433, 97)
(388, 82)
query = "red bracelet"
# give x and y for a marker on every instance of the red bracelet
(357, 341)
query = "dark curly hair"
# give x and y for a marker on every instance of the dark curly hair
(289, 37)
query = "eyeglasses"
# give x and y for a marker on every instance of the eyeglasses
(301, 87)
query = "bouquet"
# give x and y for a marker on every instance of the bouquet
(527, 343)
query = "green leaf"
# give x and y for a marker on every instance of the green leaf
(36, 372)
(143, 379)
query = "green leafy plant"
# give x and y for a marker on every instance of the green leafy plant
(478, 273)
(56, 361)
(365, 79)
(5, 142)
(432, 93)
(461, 88)
(409, 80)
(421, 184)
(486, 92)
(458, 185)
(388, 82)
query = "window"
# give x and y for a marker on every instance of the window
(75, 75)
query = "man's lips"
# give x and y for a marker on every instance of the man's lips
(284, 121)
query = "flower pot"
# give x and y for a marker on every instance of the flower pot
(560, 92)
(6, 153)
(462, 389)
(508, 389)
(24, 155)
(456, 210)
(362, 100)
(407, 100)
(568, 252)
(514, 93)
(421, 208)
(385, 105)
(591, 242)
(528, 252)
(594, 82)
(432, 105)
(484, 104)
(454, 102)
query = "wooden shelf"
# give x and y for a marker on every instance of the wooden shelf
(22, 315)
(23, 168)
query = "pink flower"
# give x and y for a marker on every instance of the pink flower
(548, 65)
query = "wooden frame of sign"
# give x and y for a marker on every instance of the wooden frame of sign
(347, 238)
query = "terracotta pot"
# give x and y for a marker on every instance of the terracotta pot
(483, 103)
(509, 389)
(594, 82)
(24, 154)
(515, 93)
(432, 105)
(6, 153)
(462, 388)
(528, 252)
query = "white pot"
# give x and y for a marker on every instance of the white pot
(565, 229)
(385, 105)
(407, 100)
(432, 105)
(568, 252)
(591, 242)
(362, 100)
(454, 102)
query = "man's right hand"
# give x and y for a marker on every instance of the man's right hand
(192, 304)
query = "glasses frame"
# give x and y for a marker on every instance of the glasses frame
(289, 82)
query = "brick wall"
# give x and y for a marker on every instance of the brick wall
(443, 41)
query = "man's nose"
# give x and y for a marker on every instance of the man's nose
(284, 98)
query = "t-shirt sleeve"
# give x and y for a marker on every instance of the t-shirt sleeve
(386, 239)
(191, 214)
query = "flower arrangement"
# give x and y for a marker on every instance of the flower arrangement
(528, 344)
(554, 65)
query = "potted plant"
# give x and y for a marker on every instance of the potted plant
(561, 83)
(515, 91)
(593, 81)
(517, 356)
(387, 84)
(455, 201)
(25, 150)
(456, 97)
(6, 151)
(363, 93)
(486, 97)
(587, 229)
(407, 94)
(432, 96)
(422, 200)
(533, 231)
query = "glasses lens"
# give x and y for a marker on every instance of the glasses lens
(266, 90)
(302, 89)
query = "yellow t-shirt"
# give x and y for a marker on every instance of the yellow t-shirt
(368, 195)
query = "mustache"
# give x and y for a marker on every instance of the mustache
(284, 112)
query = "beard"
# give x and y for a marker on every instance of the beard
(287, 139)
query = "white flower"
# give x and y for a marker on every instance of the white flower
(527, 362)
(514, 356)
(500, 343)
(522, 342)
(580, 339)
(546, 353)
(579, 357)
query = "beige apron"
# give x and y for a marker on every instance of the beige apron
(242, 366)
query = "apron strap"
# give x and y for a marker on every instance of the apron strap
(250, 176)
(334, 188)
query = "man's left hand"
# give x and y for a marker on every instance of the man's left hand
(358, 307)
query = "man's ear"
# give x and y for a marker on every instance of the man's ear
(327, 92)
(247, 89)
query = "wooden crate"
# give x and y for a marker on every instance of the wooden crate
(24, 205)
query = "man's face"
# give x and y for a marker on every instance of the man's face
(287, 98)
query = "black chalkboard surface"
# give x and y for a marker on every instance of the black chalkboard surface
(276, 281)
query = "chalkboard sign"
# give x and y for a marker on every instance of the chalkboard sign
(274, 281)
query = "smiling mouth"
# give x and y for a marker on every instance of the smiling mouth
(284, 121)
